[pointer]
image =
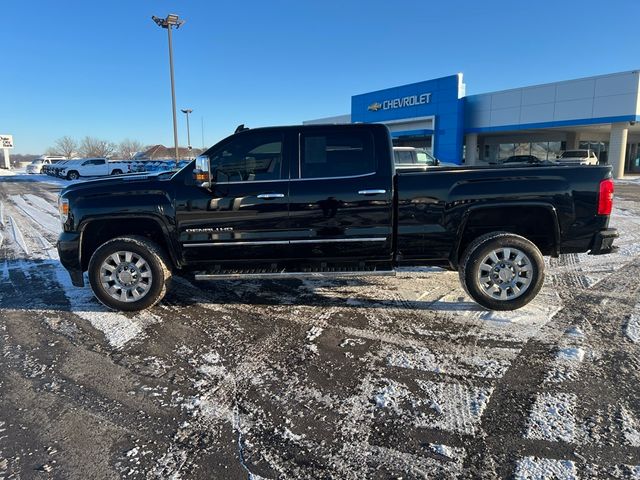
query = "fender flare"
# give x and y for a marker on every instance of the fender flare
(455, 252)
(171, 247)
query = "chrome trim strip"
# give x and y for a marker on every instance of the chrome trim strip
(332, 178)
(232, 243)
(270, 196)
(341, 240)
(284, 242)
(295, 179)
(275, 275)
(371, 192)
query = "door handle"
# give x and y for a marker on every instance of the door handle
(371, 192)
(270, 196)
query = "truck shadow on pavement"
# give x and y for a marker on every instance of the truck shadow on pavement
(27, 284)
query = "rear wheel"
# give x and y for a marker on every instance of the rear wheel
(502, 271)
(116, 172)
(129, 273)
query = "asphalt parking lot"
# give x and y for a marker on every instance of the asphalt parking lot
(377, 377)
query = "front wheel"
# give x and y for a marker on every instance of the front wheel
(502, 271)
(116, 172)
(72, 176)
(129, 273)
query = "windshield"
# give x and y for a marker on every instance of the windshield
(36, 161)
(189, 164)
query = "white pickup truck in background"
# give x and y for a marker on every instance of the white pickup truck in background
(577, 157)
(92, 167)
(38, 163)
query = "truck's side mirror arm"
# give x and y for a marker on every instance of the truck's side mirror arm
(202, 172)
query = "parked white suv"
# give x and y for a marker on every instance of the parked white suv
(578, 157)
(92, 167)
(38, 163)
(411, 157)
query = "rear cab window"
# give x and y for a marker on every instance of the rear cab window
(334, 154)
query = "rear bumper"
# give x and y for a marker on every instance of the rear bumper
(69, 252)
(603, 242)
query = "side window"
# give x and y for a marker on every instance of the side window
(404, 156)
(99, 162)
(252, 157)
(340, 154)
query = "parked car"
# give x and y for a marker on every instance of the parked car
(411, 157)
(520, 160)
(578, 157)
(54, 168)
(325, 200)
(38, 164)
(92, 167)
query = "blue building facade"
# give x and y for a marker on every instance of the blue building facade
(436, 110)
(600, 113)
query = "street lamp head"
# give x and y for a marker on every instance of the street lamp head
(172, 20)
(186, 110)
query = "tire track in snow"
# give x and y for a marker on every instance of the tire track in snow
(39, 216)
(17, 236)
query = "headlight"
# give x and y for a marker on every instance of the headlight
(63, 209)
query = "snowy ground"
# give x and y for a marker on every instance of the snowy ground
(376, 377)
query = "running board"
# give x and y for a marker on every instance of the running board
(276, 275)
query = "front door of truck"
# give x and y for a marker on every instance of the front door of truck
(340, 204)
(243, 216)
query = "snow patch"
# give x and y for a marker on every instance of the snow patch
(40, 217)
(533, 468)
(632, 328)
(313, 333)
(454, 407)
(630, 427)
(552, 418)
(464, 363)
(571, 354)
(446, 451)
(117, 328)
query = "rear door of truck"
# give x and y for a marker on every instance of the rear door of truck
(340, 195)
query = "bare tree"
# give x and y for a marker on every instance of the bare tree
(128, 148)
(66, 146)
(94, 147)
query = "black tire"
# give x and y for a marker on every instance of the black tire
(480, 249)
(116, 172)
(155, 259)
(72, 175)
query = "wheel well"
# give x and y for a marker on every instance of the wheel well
(536, 224)
(99, 231)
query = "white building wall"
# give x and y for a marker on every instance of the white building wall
(611, 95)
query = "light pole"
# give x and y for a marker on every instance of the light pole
(172, 20)
(187, 111)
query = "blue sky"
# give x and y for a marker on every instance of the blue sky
(101, 68)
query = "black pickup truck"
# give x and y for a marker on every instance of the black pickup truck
(326, 200)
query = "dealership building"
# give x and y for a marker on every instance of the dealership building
(599, 113)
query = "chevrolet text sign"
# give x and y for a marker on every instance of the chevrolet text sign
(7, 141)
(410, 101)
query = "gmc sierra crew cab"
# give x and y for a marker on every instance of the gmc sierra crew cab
(326, 200)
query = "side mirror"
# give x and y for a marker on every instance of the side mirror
(202, 172)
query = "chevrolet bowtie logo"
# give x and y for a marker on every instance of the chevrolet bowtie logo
(374, 107)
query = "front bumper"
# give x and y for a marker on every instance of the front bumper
(69, 252)
(602, 242)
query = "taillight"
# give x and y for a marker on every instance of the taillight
(605, 197)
